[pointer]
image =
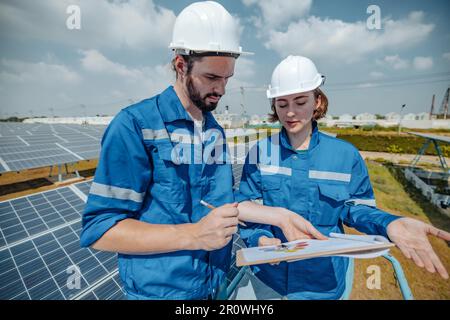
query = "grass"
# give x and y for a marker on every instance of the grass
(395, 195)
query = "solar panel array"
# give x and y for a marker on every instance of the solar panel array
(40, 253)
(26, 146)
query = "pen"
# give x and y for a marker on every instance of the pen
(210, 206)
(373, 240)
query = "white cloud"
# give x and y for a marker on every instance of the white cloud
(423, 63)
(277, 13)
(20, 72)
(446, 56)
(347, 42)
(376, 74)
(245, 68)
(395, 62)
(135, 24)
(96, 62)
(101, 84)
(145, 78)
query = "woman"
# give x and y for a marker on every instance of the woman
(322, 179)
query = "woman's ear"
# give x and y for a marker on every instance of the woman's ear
(318, 101)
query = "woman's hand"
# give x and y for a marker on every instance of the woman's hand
(296, 227)
(410, 236)
(266, 241)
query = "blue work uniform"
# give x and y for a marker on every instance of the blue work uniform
(147, 172)
(328, 185)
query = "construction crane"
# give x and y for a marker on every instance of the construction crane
(432, 106)
(444, 106)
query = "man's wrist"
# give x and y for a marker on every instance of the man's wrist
(187, 236)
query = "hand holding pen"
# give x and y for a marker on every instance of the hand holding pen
(210, 206)
(216, 229)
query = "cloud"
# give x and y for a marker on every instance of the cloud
(103, 85)
(96, 62)
(42, 73)
(395, 62)
(446, 56)
(278, 13)
(136, 24)
(376, 74)
(344, 41)
(245, 68)
(423, 63)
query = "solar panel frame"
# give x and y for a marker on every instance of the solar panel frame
(445, 139)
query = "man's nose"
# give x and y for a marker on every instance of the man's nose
(219, 88)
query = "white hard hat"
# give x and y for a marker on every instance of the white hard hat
(295, 74)
(205, 27)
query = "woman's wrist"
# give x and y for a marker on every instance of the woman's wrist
(282, 217)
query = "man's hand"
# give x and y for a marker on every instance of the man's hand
(410, 236)
(295, 227)
(216, 229)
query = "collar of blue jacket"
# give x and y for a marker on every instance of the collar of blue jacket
(284, 139)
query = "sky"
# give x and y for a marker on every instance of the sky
(120, 54)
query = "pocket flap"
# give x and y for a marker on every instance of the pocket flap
(335, 192)
(164, 150)
(270, 182)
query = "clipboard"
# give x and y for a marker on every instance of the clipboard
(355, 246)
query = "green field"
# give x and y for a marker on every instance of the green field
(394, 194)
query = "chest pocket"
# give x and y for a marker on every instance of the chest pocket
(169, 178)
(271, 190)
(329, 204)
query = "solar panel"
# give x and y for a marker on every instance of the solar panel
(40, 245)
(445, 139)
(41, 268)
(26, 146)
(84, 187)
(28, 216)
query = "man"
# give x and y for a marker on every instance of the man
(144, 203)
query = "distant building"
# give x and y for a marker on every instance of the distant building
(346, 117)
(409, 116)
(231, 120)
(392, 116)
(423, 116)
(365, 116)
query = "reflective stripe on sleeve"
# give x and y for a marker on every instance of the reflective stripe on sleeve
(116, 192)
(150, 134)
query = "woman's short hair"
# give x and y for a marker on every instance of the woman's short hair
(319, 113)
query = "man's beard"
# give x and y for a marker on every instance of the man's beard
(198, 101)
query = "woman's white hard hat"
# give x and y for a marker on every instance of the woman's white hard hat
(295, 74)
(204, 27)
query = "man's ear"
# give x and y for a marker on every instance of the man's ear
(180, 65)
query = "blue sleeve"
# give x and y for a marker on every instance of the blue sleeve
(121, 179)
(363, 213)
(250, 189)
